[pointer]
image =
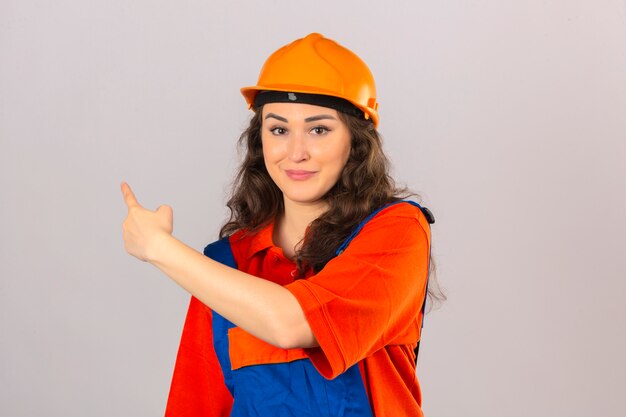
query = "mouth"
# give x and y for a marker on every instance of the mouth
(299, 174)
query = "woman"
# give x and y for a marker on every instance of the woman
(311, 302)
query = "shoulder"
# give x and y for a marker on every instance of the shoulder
(403, 208)
(401, 214)
(394, 222)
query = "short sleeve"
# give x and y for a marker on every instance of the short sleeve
(371, 295)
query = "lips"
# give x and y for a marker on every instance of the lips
(299, 174)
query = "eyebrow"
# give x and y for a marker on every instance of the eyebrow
(320, 117)
(307, 120)
(275, 116)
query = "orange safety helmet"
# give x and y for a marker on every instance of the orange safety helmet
(317, 65)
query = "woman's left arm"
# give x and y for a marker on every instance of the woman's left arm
(262, 308)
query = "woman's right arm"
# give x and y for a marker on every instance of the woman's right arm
(262, 308)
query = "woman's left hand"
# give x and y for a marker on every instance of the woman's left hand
(145, 230)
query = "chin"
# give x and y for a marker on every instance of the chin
(305, 200)
(302, 198)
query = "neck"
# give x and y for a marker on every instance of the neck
(290, 228)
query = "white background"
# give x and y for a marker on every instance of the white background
(508, 117)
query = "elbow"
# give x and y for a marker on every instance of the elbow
(289, 326)
(286, 342)
(292, 337)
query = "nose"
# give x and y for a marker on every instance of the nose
(297, 148)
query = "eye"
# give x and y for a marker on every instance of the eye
(320, 130)
(278, 130)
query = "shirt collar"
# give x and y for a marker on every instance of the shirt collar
(262, 240)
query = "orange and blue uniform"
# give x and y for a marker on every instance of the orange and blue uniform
(364, 308)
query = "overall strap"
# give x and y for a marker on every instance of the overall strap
(429, 217)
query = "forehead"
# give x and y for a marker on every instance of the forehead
(297, 111)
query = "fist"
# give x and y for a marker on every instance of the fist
(144, 230)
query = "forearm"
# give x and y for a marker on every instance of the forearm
(260, 307)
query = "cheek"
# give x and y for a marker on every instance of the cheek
(270, 150)
(343, 153)
(335, 151)
(273, 156)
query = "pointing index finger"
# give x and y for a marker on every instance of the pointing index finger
(129, 196)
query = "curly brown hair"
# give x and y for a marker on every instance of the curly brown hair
(364, 186)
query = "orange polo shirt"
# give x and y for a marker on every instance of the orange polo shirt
(364, 308)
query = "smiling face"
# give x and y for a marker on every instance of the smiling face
(305, 148)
